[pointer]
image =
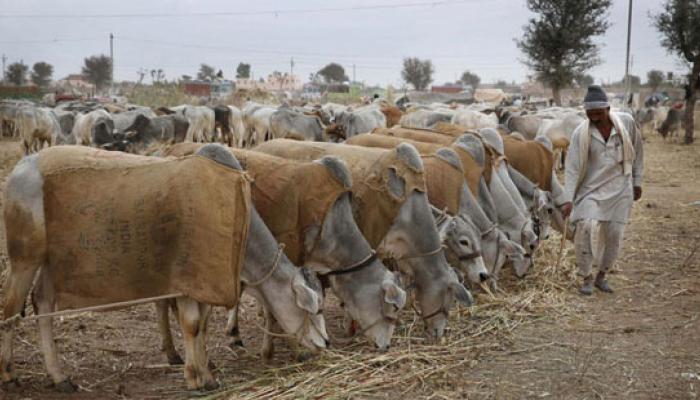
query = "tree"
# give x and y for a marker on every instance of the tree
(98, 70)
(41, 74)
(654, 79)
(243, 71)
(157, 75)
(679, 25)
(206, 72)
(417, 72)
(333, 73)
(558, 43)
(584, 80)
(220, 74)
(470, 78)
(17, 73)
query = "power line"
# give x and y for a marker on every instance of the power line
(276, 13)
(54, 40)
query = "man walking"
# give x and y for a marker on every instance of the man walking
(604, 167)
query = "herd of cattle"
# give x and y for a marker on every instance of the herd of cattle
(388, 206)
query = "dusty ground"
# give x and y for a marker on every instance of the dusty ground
(537, 339)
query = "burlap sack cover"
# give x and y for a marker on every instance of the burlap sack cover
(290, 196)
(375, 208)
(472, 170)
(531, 159)
(421, 135)
(444, 183)
(454, 130)
(122, 227)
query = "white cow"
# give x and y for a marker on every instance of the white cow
(36, 126)
(201, 121)
(237, 126)
(472, 119)
(94, 128)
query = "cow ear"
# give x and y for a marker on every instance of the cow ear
(131, 135)
(393, 294)
(462, 295)
(397, 185)
(305, 298)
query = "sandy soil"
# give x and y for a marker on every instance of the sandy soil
(536, 339)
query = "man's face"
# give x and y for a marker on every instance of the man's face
(598, 116)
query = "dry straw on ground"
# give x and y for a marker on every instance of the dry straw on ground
(354, 372)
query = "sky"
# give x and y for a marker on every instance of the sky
(372, 36)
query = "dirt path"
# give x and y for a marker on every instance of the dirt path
(635, 343)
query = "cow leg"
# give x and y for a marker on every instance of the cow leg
(45, 302)
(166, 336)
(16, 289)
(232, 326)
(268, 345)
(193, 322)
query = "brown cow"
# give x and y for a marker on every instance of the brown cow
(421, 135)
(392, 113)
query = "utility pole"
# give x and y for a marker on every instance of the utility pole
(353, 73)
(111, 60)
(627, 57)
(4, 58)
(291, 69)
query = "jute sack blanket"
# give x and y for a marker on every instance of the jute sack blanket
(122, 227)
(375, 208)
(471, 169)
(444, 183)
(290, 196)
(421, 135)
(531, 159)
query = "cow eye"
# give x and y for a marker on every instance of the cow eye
(464, 242)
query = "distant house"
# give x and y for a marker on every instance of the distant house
(276, 81)
(216, 88)
(449, 88)
(74, 83)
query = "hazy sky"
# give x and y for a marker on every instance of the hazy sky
(456, 35)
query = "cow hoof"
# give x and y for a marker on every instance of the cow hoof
(11, 385)
(175, 360)
(66, 386)
(211, 386)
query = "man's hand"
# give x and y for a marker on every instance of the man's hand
(566, 209)
(637, 193)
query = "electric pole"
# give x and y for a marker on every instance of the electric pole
(627, 57)
(353, 73)
(291, 69)
(4, 58)
(111, 60)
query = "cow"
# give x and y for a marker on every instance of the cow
(292, 294)
(288, 124)
(307, 206)
(672, 124)
(417, 134)
(146, 133)
(66, 120)
(237, 126)
(200, 118)
(497, 248)
(392, 114)
(8, 113)
(95, 128)
(472, 119)
(37, 127)
(349, 123)
(256, 118)
(222, 125)
(392, 210)
(423, 118)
